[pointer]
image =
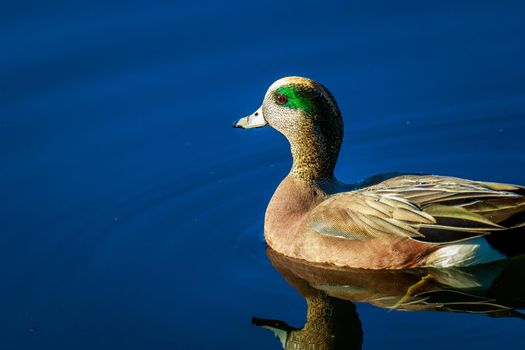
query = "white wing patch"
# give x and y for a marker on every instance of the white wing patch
(467, 253)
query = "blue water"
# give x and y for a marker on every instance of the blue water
(132, 213)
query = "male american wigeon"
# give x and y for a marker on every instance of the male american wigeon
(403, 222)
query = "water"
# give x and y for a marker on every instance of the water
(132, 213)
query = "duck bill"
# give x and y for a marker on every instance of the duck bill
(255, 120)
(280, 329)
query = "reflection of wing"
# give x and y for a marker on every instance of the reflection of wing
(427, 208)
(496, 289)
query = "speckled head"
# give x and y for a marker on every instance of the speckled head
(293, 104)
(306, 113)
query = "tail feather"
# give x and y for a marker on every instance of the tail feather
(509, 242)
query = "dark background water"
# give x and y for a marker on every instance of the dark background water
(131, 213)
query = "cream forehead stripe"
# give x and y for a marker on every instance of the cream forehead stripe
(292, 81)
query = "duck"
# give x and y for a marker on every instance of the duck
(399, 222)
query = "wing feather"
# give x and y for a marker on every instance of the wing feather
(428, 208)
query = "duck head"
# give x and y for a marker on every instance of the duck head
(306, 113)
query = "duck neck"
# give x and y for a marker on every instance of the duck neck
(314, 159)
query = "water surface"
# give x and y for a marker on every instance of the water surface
(132, 213)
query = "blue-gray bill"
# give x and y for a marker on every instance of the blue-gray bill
(255, 120)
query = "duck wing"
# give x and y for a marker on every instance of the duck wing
(431, 209)
(378, 178)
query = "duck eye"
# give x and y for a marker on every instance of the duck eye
(280, 99)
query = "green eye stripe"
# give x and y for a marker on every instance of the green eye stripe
(296, 100)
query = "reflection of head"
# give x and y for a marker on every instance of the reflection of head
(331, 324)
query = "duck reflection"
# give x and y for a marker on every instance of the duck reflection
(496, 290)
